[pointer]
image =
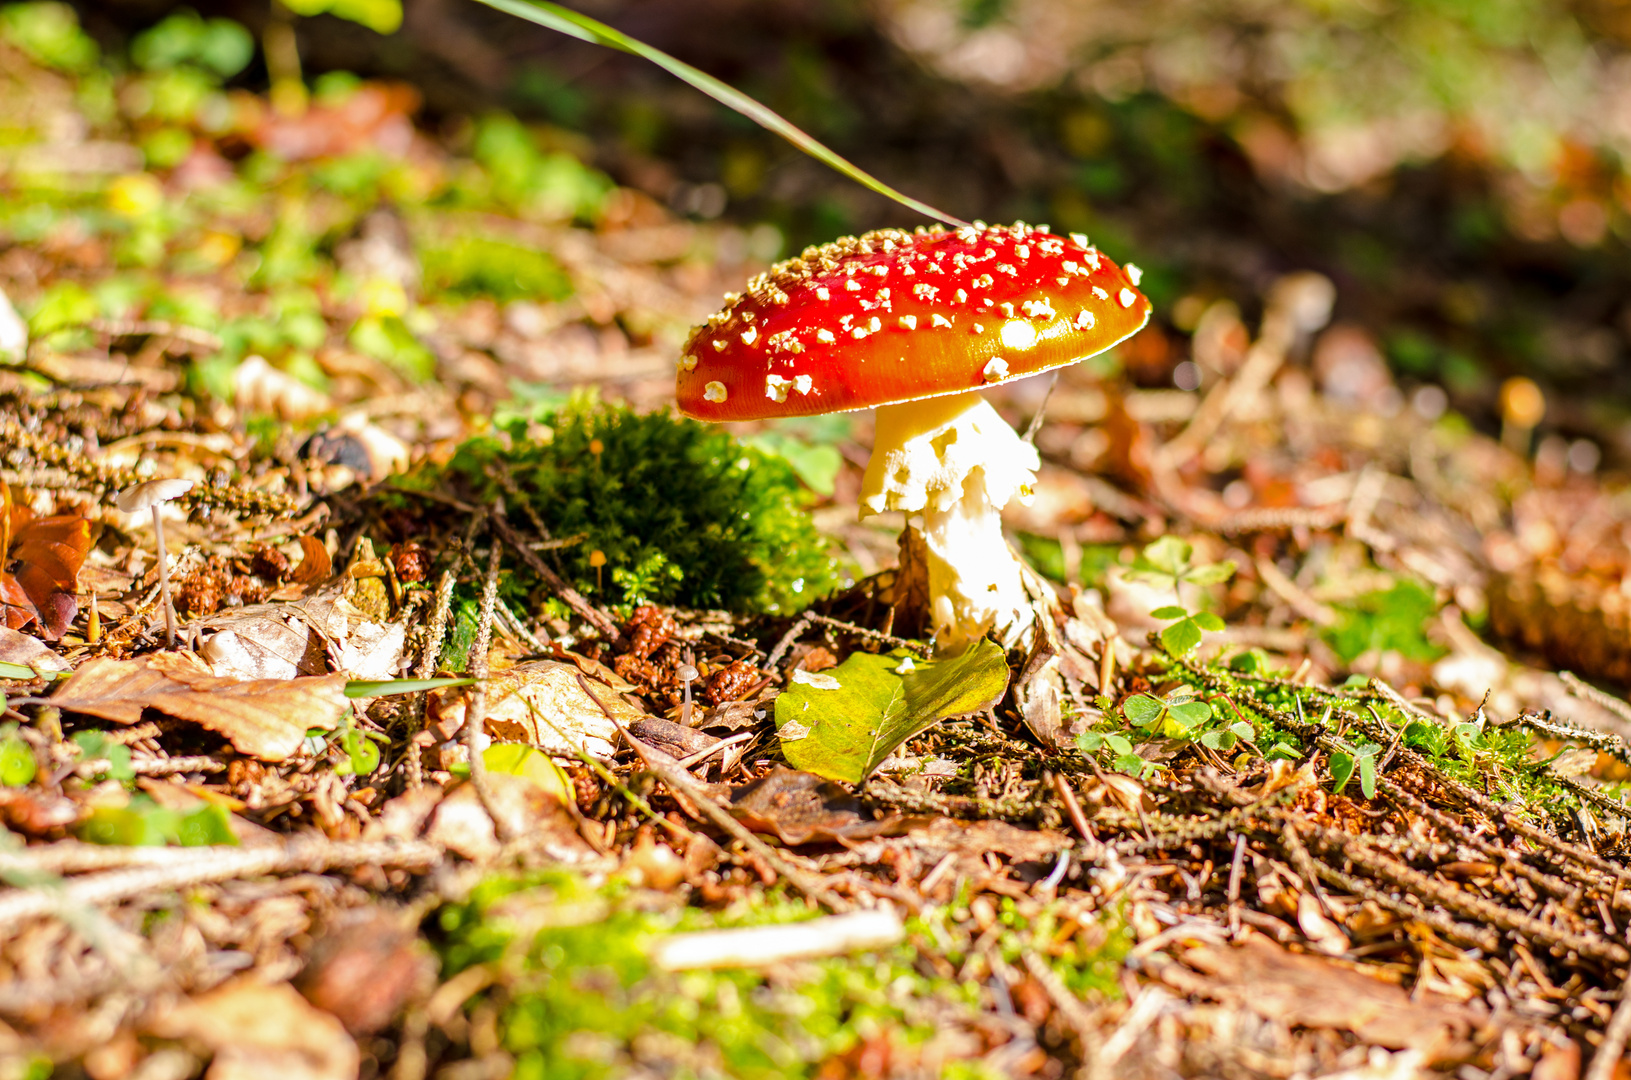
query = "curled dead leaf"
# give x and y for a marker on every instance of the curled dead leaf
(544, 703)
(315, 564)
(265, 718)
(801, 808)
(41, 567)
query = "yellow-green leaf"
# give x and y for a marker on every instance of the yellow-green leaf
(843, 723)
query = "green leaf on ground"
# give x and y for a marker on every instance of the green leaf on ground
(852, 717)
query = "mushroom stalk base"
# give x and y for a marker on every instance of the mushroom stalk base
(954, 463)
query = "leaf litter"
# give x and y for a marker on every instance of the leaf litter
(1199, 851)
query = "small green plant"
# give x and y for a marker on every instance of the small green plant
(1126, 760)
(1184, 635)
(1351, 758)
(1181, 715)
(1167, 562)
(361, 751)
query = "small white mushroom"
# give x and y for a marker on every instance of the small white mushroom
(151, 495)
(688, 674)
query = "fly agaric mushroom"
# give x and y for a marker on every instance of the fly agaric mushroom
(151, 495)
(913, 324)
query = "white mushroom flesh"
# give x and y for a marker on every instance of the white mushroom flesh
(954, 463)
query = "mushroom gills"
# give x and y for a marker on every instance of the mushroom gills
(953, 463)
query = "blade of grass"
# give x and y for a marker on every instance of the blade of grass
(361, 688)
(566, 21)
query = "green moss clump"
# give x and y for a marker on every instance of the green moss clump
(683, 514)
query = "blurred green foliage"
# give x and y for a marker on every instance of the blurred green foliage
(578, 995)
(381, 16)
(1393, 619)
(219, 46)
(473, 265)
(49, 35)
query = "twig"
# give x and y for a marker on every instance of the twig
(1612, 1048)
(682, 784)
(475, 713)
(1041, 409)
(876, 635)
(428, 659)
(1587, 692)
(1142, 1014)
(794, 632)
(312, 856)
(573, 599)
(762, 946)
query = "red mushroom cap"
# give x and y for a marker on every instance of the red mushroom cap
(894, 316)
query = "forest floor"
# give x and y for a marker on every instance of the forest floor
(1373, 827)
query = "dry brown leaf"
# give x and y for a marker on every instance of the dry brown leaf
(315, 564)
(19, 648)
(542, 702)
(261, 1032)
(1308, 991)
(802, 808)
(282, 640)
(462, 825)
(41, 567)
(265, 718)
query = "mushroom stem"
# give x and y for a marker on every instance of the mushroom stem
(953, 462)
(164, 582)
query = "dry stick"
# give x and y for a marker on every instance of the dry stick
(314, 856)
(1069, 1005)
(794, 632)
(573, 599)
(1041, 409)
(427, 667)
(1465, 904)
(1584, 690)
(1614, 1036)
(876, 635)
(684, 785)
(475, 712)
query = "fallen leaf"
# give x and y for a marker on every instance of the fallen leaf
(283, 640)
(544, 703)
(365, 968)
(1301, 990)
(1326, 935)
(462, 825)
(265, 718)
(263, 1032)
(315, 564)
(518, 759)
(30, 652)
(969, 841)
(41, 567)
(861, 710)
(671, 738)
(800, 808)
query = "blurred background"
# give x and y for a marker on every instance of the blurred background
(1456, 167)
